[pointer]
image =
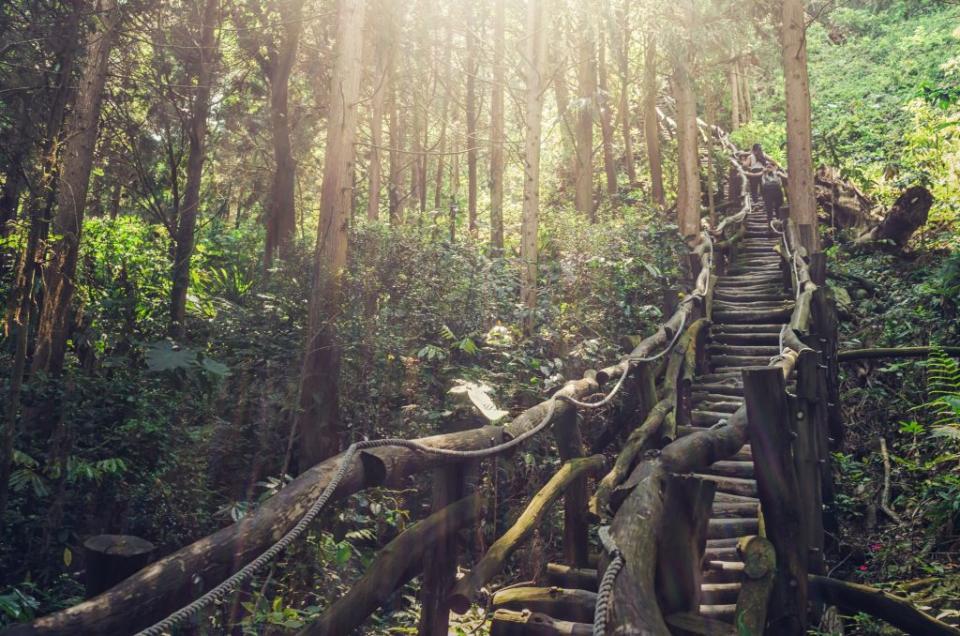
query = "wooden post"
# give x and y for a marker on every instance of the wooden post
(687, 503)
(440, 562)
(807, 414)
(110, 558)
(576, 524)
(759, 565)
(825, 323)
(770, 432)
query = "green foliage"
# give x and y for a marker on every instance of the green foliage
(771, 135)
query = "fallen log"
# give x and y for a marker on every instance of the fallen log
(892, 352)
(527, 623)
(908, 213)
(566, 604)
(896, 610)
(465, 591)
(397, 563)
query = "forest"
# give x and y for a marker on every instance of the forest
(480, 317)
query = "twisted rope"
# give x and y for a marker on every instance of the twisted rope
(601, 610)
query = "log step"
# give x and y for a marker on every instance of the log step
(719, 612)
(726, 497)
(730, 388)
(707, 418)
(732, 528)
(744, 350)
(717, 406)
(722, 553)
(719, 593)
(733, 510)
(751, 317)
(732, 485)
(561, 575)
(741, 361)
(723, 572)
(747, 338)
(730, 468)
(757, 327)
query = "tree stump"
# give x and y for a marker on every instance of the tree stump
(110, 558)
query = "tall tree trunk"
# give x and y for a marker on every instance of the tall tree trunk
(196, 135)
(281, 210)
(473, 67)
(606, 123)
(734, 81)
(396, 158)
(60, 267)
(318, 417)
(587, 97)
(688, 171)
(800, 185)
(561, 91)
(536, 64)
(620, 34)
(746, 110)
(384, 53)
(497, 139)
(710, 106)
(651, 124)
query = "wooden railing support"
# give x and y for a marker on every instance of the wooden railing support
(771, 434)
(809, 421)
(687, 502)
(440, 562)
(759, 564)
(576, 522)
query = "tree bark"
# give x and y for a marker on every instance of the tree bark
(318, 417)
(905, 217)
(621, 34)
(734, 96)
(587, 103)
(81, 129)
(395, 188)
(384, 53)
(606, 121)
(497, 139)
(651, 123)
(536, 63)
(800, 185)
(473, 68)
(196, 134)
(688, 172)
(281, 211)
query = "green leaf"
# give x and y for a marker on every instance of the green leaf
(343, 554)
(163, 355)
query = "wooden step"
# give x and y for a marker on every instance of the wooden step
(758, 327)
(728, 387)
(736, 317)
(733, 510)
(719, 612)
(721, 553)
(732, 527)
(707, 418)
(718, 361)
(716, 406)
(730, 468)
(732, 485)
(723, 572)
(746, 339)
(719, 593)
(744, 350)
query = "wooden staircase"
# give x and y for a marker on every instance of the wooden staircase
(749, 310)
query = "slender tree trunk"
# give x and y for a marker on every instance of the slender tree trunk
(620, 32)
(734, 82)
(800, 190)
(651, 124)
(744, 90)
(688, 186)
(710, 104)
(384, 53)
(497, 139)
(396, 157)
(318, 417)
(473, 67)
(281, 209)
(561, 91)
(535, 67)
(196, 135)
(606, 122)
(60, 267)
(587, 97)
